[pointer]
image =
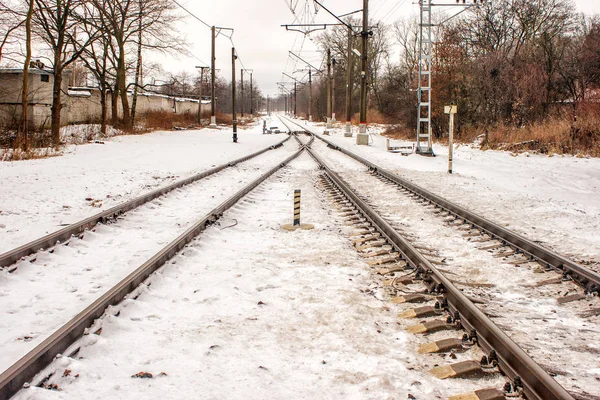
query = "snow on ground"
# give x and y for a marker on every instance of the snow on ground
(553, 200)
(316, 335)
(40, 196)
(530, 316)
(85, 269)
(255, 312)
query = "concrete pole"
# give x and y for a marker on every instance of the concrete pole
(213, 115)
(251, 97)
(200, 95)
(363, 72)
(329, 126)
(450, 140)
(348, 132)
(233, 113)
(242, 100)
(333, 90)
(309, 94)
(295, 99)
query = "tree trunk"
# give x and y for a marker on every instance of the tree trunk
(103, 111)
(56, 101)
(114, 97)
(122, 87)
(23, 130)
(138, 71)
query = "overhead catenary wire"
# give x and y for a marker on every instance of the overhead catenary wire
(230, 36)
(191, 13)
(393, 10)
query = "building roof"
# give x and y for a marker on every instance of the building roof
(36, 71)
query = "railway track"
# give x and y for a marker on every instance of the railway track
(9, 258)
(399, 256)
(65, 300)
(389, 249)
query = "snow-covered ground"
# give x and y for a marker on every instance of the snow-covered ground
(553, 200)
(255, 312)
(82, 271)
(40, 196)
(530, 316)
(250, 311)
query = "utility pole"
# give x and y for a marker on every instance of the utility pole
(348, 132)
(329, 126)
(233, 115)
(213, 115)
(200, 93)
(295, 98)
(424, 92)
(333, 62)
(363, 77)
(251, 97)
(213, 58)
(309, 94)
(242, 101)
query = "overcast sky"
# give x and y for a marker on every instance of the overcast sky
(260, 41)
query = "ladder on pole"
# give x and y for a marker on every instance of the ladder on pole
(424, 91)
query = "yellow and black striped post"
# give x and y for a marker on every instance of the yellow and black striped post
(296, 207)
(296, 224)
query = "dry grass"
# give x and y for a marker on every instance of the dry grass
(373, 117)
(225, 119)
(31, 154)
(399, 132)
(557, 135)
(166, 120)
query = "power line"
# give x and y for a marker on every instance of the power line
(230, 37)
(393, 10)
(192, 14)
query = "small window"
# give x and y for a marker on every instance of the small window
(45, 78)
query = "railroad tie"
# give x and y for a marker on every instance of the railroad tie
(441, 346)
(463, 369)
(385, 260)
(375, 253)
(471, 234)
(431, 326)
(404, 280)
(482, 394)
(482, 239)
(570, 298)
(368, 238)
(377, 243)
(395, 268)
(420, 312)
(491, 246)
(360, 233)
(410, 298)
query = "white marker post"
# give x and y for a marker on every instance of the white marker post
(451, 109)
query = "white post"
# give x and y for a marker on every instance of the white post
(451, 133)
(451, 109)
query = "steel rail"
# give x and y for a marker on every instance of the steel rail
(12, 256)
(42, 355)
(512, 360)
(590, 280)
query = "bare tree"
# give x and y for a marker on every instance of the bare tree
(12, 19)
(54, 23)
(23, 131)
(125, 21)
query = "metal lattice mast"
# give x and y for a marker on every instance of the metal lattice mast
(424, 90)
